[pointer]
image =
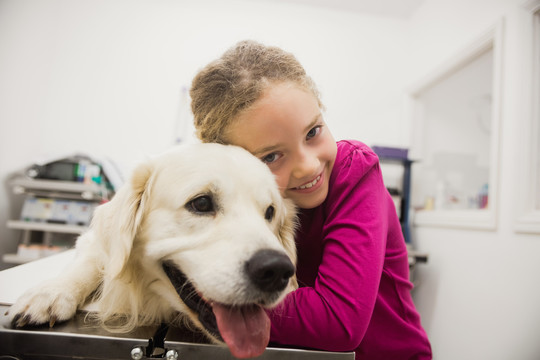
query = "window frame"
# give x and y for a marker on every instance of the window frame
(485, 219)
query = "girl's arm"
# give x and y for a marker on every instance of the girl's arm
(335, 313)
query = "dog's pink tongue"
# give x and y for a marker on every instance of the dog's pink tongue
(246, 330)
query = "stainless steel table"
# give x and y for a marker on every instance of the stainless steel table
(77, 339)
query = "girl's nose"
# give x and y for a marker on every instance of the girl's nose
(307, 164)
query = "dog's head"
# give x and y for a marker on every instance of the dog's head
(209, 223)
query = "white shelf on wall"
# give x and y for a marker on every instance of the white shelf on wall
(37, 226)
(23, 185)
(479, 219)
(27, 252)
(18, 259)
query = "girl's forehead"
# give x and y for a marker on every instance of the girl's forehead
(282, 98)
(283, 113)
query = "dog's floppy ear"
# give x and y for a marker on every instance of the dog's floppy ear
(116, 223)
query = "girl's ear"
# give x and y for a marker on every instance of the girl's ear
(288, 225)
(116, 223)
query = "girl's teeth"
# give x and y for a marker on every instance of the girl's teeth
(308, 185)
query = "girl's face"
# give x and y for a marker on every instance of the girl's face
(285, 129)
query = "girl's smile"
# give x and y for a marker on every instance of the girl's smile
(285, 129)
(311, 186)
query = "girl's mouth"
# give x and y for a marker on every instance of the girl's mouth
(309, 184)
(312, 185)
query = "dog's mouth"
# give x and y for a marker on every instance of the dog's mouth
(190, 297)
(245, 329)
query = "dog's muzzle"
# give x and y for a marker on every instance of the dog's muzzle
(244, 328)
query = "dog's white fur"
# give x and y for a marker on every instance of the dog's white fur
(150, 220)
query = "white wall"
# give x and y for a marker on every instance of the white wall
(104, 77)
(479, 293)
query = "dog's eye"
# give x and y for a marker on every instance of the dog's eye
(269, 215)
(201, 204)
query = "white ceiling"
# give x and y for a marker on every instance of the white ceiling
(390, 8)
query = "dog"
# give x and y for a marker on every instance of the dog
(200, 233)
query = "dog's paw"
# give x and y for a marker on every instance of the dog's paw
(47, 304)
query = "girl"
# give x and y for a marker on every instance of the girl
(352, 266)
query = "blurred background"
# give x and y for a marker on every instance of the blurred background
(454, 82)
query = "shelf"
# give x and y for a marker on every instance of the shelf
(90, 191)
(55, 185)
(17, 259)
(481, 219)
(55, 228)
(23, 259)
(54, 213)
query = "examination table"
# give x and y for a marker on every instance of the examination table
(79, 339)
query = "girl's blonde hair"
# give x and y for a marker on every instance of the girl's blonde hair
(232, 83)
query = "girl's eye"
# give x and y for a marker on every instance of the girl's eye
(313, 132)
(270, 158)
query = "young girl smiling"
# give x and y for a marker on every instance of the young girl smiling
(354, 292)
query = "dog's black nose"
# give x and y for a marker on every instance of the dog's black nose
(270, 270)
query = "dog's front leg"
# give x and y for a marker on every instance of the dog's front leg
(59, 298)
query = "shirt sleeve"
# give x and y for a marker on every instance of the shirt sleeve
(335, 313)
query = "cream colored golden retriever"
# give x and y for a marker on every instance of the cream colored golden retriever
(199, 233)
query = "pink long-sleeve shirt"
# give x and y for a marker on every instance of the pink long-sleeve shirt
(353, 270)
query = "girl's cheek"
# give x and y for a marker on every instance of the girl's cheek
(282, 180)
